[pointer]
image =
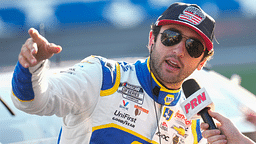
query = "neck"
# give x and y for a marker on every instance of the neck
(170, 86)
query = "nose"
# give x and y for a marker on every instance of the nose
(180, 48)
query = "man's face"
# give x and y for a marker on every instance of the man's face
(172, 64)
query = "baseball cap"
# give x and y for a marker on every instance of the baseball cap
(192, 16)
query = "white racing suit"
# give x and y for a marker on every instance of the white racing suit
(105, 102)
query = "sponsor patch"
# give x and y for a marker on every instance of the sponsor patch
(124, 118)
(167, 113)
(176, 139)
(164, 126)
(180, 130)
(182, 118)
(124, 105)
(168, 99)
(125, 66)
(131, 92)
(141, 112)
(69, 71)
(163, 136)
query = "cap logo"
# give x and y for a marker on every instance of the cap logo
(157, 21)
(192, 15)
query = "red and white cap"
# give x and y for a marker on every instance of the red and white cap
(192, 16)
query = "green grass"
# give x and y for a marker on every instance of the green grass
(246, 71)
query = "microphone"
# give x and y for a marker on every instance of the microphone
(196, 102)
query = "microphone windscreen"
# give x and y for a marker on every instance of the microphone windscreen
(189, 87)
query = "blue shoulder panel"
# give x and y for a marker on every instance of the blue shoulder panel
(22, 84)
(109, 73)
(111, 76)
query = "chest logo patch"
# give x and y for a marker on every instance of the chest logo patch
(131, 92)
(168, 99)
(167, 113)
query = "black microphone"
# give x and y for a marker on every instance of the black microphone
(191, 86)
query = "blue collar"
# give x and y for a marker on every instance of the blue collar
(149, 83)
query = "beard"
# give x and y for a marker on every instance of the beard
(164, 76)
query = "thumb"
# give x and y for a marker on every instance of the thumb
(53, 48)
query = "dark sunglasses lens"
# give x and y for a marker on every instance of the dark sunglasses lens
(194, 47)
(170, 38)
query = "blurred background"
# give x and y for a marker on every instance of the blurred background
(119, 29)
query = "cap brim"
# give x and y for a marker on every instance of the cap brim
(207, 41)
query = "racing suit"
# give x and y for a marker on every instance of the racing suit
(104, 101)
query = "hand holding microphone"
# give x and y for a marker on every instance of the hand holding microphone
(230, 134)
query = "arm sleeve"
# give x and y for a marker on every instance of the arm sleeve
(73, 91)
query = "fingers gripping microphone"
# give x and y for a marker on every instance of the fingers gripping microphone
(196, 102)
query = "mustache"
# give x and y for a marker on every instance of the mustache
(177, 58)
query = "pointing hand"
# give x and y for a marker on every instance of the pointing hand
(36, 49)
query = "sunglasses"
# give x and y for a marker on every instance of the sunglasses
(171, 37)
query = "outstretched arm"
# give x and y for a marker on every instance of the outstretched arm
(69, 92)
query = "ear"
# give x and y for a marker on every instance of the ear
(201, 64)
(150, 40)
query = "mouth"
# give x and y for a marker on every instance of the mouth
(173, 64)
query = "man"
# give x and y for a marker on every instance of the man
(233, 135)
(103, 101)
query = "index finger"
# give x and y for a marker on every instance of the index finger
(33, 34)
(37, 38)
(218, 116)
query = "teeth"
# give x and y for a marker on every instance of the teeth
(173, 62)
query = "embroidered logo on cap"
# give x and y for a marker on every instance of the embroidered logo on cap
(192, 15)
